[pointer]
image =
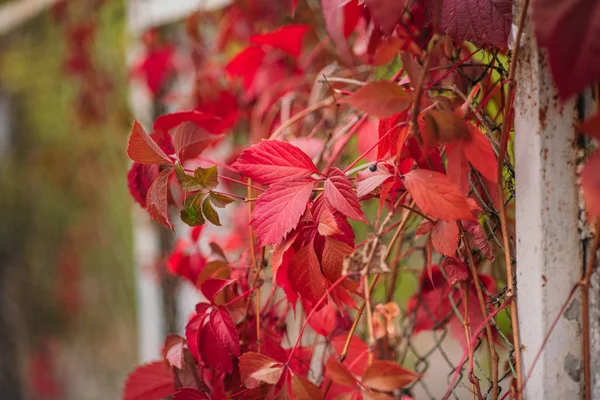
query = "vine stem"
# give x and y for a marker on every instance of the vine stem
(465, 296)
(297, 117)
(511, 293)
(585, 313)
(480, 298)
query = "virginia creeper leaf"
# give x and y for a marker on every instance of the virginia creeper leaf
(152, 381)
(570, 31)
(287, 38)
(335, 14)
(157, 198)
(339, 374)
(327, 224)
(358, 353)
(203, 178)
(381, 99)
(189, 394)
(444, 237)
(367, 180)
(190, 140)
(387, 376)
(209, 212)
(245, 64)
(455, 269)
(165, 123)
(191, 211)
(305, 275)
(437, 196)
(173, 350)
(340, 194)
(332, 260)
(139, 180)
(483, 22)
(278, 209)
(211, 287)
(219, 200)
(481, 155)
(479, 239)
(256, 368)
(142, 149)
(386, 13)
(271, 161)
(458, 169)
(303, 389)
(324, 321)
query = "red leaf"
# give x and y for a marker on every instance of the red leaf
(444, 237)
(283, 280)
(386, 13)
(224, 330)
(165, 123)
(305, 275)
(483, 22)
(590, 182)
(357, 355)
(272, 161)
(332, 260)
(302, 389)
(218, 341)
(458, 168)
(142, 149)
(327, 223)
(139, 180)
(256, 368)
(339, 374)
(190, 140)
(340, 194)
(481, 155)
(287, 38)
(157, 198)
(437, 196)
(156, 68)
(189, 394)
(324, 321)
(455, 269)
(570, 31)
(381, 99)
(335, 14)
(392, 133)
(212, 287)
(173, 350)
(245, 64)
(152, 381)
(367, 180)
(591, 126)
(387, 376)
(278, 209)
(294, 5)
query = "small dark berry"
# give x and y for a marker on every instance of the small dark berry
(373, 167)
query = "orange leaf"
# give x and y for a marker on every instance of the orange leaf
(302, 389)
(339, 374)
(481, 155)
(381, 99)
(387, 376)
(256, 368)
(437, 196)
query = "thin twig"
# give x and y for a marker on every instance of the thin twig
(481, 299)
(297, 117)
(510, 292)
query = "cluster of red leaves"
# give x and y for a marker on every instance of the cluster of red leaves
(443, 169)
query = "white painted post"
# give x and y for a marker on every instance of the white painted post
(549, 252)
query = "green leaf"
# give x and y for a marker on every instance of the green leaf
(203, 178)
(210, 213)
(207, 177)
(220, 200)
(191, 212)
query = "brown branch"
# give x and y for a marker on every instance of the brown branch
(480, 298)
(510, 292)
(585, 314)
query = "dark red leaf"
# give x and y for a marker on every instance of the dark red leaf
(139, 180)
(142, 149)
(189, 394)
(570, 31)
(287, 38)
(218, 341)
(157, 198)
(224, 330)
(479, 239)
(256, 368)
(305, 275)
(278, 209)
(340, 194)
(165, 123)
(272, 161)
(173, 350)
(455, 270)
(387, 376)
(358, 353)
(212, 287)
(590, 182)
(483, 22)
(324, 321)
(381, 99)
(386, 13)
(392, 133)
(190, 140)
(152, 381)
(245, 64)
(332, 260)
(339, 374)
(437, 196)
